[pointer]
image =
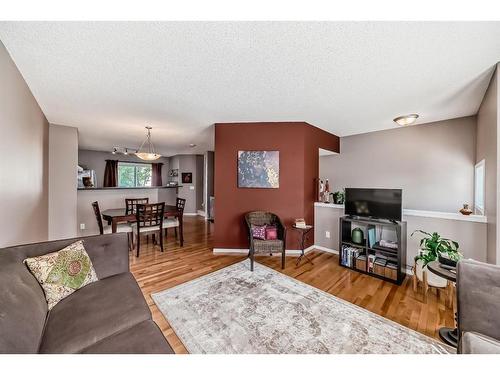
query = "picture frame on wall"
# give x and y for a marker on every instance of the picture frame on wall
(173, 173)
(259, 169)
(187, 178)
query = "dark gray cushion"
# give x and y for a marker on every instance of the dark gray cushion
(474, 343)
(93, 313)
(143, 338)
(23, 308)
(478, 298)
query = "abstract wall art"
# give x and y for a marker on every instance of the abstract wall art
(259, 169)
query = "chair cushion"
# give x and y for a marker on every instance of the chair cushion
(93, 313)
(170, 223)
(63, 272)
(475, 343)
(267, 246)
(120, 228)
(143, 338)
(155, 228)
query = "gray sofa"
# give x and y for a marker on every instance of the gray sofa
(108, 316)
(478, 300)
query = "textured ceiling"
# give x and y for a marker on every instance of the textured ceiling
(110, 79)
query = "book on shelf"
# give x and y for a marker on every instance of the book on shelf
(300, 223)
(371, 237)
(371, 262)
(377, 246)
(388, 244)
(349, 255)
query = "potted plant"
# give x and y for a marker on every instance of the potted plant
(338, 197)
(432, 247)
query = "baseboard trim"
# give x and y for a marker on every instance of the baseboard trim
(190, 214)
(201, 213)
(326, 249)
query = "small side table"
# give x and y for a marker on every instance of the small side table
(303, 236)
(448, 335)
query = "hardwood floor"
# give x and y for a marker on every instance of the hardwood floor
(156, 271)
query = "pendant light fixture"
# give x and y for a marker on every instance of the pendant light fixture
(148, 154)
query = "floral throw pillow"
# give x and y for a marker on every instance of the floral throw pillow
(63, 272)
(259, 232)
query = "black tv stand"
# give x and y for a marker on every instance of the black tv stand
(375, 260)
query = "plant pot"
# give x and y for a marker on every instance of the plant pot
(432, 279)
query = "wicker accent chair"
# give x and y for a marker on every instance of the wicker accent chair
(257, 246)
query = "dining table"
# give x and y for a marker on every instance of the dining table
(119, 215)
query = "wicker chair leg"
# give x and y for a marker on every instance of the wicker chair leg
(251, 260)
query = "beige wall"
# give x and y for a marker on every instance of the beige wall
(487, 149)
(471, 236)
(23, 159)
(63, 160)
(432, 163)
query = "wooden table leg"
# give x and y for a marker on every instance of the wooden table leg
(113, 225)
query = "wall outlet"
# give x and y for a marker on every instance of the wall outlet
(327, 234)
(82, 226)
(191, 188)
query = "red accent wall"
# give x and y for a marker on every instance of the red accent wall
(298, 144)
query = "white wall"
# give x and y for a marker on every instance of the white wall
(471, 236)
(186, 164)
(23, 159)
(487, 149)
(63, 161)
(432, 163)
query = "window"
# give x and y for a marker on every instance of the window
(479, 175)
(134, 174)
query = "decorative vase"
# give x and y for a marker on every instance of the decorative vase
(357, 236)
(466, 210)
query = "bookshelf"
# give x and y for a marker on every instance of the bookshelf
(369, 257)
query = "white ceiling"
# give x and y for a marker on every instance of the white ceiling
(110, 79)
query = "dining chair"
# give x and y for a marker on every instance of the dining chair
(149, 219)
(131, 204)
(120, 228)
(173, 222)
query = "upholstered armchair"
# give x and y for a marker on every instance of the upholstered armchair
(257, 246)
(478, 300)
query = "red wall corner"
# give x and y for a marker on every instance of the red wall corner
(298, 143)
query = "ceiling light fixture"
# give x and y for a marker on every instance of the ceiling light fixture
(150, 154)
(406, 120)
(192, 145)
(114, 151)
(126, 151)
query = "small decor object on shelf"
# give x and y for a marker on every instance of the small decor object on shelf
(173, 173)
(433, 245)
(357, 236)
(259, 169)
(326, 193)
(87, 182)
(187, 178)
(300, 223)
(339, 197)
(466, 210)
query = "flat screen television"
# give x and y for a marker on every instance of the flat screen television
(374, 203)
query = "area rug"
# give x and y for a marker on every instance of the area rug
(234, 310)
